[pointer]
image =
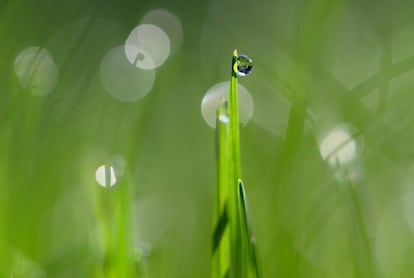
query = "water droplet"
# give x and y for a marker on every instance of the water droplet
(244, 65)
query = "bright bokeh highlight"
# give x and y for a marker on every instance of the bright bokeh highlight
(169, 23)
(147, 46)
(122, 80)
(221, 90)
(36, 70)
(338, 147)
(105, 176)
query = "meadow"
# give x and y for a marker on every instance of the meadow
(109, 145)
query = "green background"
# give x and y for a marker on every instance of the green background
(317, 64)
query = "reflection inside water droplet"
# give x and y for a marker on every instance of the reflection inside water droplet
(244, 65)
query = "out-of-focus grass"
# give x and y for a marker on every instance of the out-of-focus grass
(321, 63)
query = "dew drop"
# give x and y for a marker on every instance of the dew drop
(244, 65)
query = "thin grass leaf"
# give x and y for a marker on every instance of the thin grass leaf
(233, 253)
(248, 237)
(221, 235)
(234, 174)
(233, 110)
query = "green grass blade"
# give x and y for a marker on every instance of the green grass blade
(233, 110)
(233, 252)
(234, 174)
(221, 235)
(248, 238)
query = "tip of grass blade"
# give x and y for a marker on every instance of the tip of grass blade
(252, 266)
(234, 65)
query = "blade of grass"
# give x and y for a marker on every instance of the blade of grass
(221, 236)
(233, 110)
(248, 238)
(233, 252)
(233, 146)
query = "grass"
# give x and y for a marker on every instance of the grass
(318, 64)
(233, 252)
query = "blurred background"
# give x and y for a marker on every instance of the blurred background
(107, 153)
